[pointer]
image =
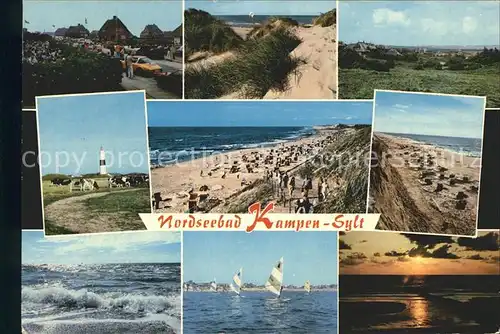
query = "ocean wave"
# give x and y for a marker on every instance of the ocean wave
(61, 297)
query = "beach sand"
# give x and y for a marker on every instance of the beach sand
(242, 31)
(175, 181)
(422, 188)
(317, 78)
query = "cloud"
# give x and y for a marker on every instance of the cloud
(395, 253)
(476, 257)
(353, 259)
(376, 254)
(343, 245)
(488, 242)
(384, 16)
(469, 25)
(429, 241)
(113, 242)
(442, 253)
(403, 259)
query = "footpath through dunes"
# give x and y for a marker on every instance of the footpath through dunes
(97, 212)
(418, 187)
(340, 161)
(278, 59)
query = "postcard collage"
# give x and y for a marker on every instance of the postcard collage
(208, 106)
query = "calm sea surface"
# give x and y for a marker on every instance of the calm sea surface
(110, 298)
(247, 20)
(468, 146)
(260, 312)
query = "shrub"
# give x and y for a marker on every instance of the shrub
(326, 19)
(171, 83)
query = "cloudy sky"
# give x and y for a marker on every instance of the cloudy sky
(259, 7)
(380, 253)
(128, 247)
(429, 114)
(407, 23)
(258, 113)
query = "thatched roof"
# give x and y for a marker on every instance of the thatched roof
(60, 32)
(114, 29)
(152, 31)
(177, 31)
(77, 31)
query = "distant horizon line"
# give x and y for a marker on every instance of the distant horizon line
(99, 263)
(450, 46)
(250, 126)
(421, 134)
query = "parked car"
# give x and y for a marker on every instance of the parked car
(143, 66)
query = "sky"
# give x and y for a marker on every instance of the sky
(128, 247)
(307, 256)
(426, 114)
(380, 253)
(258, 113)
(41, 15)
(414, 23)
(75, 127)
(259, 7)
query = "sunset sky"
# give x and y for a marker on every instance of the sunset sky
(379, 253)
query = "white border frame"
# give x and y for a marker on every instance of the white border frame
(39, 150)
(480, 168)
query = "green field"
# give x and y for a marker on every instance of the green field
(102, 210)
(359, 83)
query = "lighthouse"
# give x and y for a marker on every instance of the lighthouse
(102, 162)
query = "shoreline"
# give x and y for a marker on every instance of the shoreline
(223, 175)
(421, 187)
(265, 290)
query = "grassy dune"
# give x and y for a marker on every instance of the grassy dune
(260, 63)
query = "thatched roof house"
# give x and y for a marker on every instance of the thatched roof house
(60, 32)
(78, 31)
(151, 31)
(114, 30)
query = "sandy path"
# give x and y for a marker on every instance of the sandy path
(408, 195)
(72, 214)
(318, 77)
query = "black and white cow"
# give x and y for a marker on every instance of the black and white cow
(61, 182)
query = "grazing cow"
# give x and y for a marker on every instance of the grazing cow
(87, 184)
(61, 182)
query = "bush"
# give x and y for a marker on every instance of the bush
(203, 32)
(171, 83)
(50, 177)
(326, 19)
(79, 72)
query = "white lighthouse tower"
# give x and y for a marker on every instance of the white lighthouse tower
(102, 162)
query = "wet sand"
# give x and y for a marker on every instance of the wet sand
(423, 188)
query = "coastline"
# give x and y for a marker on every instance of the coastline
(175, 181)
(436, 189)
(265, 290)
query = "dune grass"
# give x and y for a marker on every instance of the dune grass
(258, 66)
(326, 19)
(359, 83)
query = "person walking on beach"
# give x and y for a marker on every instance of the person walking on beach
(285, 180)
(291, 186)
(172, 51)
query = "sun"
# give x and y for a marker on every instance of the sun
(418, 259)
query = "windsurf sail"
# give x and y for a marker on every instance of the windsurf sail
(213, 286)
(237, 281)
(185, 287)
(307, 286)
(275, 281)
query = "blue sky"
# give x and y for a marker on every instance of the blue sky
(258, 113)
(420, 22)
(129, 247)
(79, 125)
(425, 114)
(307, 256)
(41, 15)
(259, 7)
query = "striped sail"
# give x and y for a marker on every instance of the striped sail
(307, 286)
(213, 285)
(237, 281)
(275, 281)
